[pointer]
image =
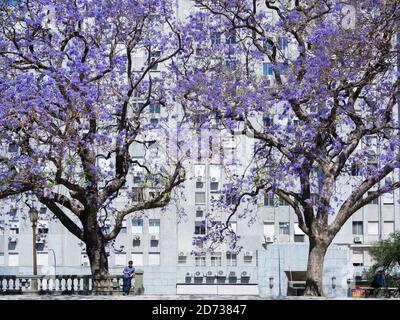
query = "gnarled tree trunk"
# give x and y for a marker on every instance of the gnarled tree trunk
(95, 247)
(315, 268)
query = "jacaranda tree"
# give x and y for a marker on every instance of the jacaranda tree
(70, 76)
(315, 84)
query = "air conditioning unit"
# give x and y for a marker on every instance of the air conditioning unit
(248, 254)
(221, 274)
(232, 274)
(182, 254)
(198, 274)
(154, 237)
(14, 225)
(188, 275)
(213, 179)
(357, 240)
(268, 239)
(210, 274)
(200, 208)
(136, 237)
(12, 239)
(200, 179)
(40, 239)
(245, 274)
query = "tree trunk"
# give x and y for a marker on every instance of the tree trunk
(95, 247)
(315, 268)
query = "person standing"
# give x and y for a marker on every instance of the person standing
(128, 274)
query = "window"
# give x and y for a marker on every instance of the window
(200, 260)
(282, 43)
(137, 194)
(200, 197)
(154, 226)
(373, 227)
(13, 259)
(154, 108)
(199, 213)
(214, 186)
(268, 121)
(358, 228)
(231, 259)
(284, 228)
(13, 147)
(200, 227)
(137, 226)
(231, 37)
(215, 38)
(283, 202)
(154, 122)
(356, 170)
(137, 258)
(269, 200)
(137, 179)
(199, 185)
(1, 258)
(154, 259)
(298, 238)
(374, 201)
(267, 69)
(269, 229)
(216, 259)
(358, 257)
(123, 228)
(120, 259)
(388, 227)
(231, 64)
(42, 259)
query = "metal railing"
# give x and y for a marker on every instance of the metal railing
(66, 284)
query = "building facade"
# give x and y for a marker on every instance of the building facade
(274, 251)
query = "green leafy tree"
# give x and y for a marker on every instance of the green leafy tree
(386, 254)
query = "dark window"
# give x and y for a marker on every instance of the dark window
(200, 227)
(284, 228)
(231, 37)
(282, 43)
(355, 170)
(214, 186)
(154, 108)
(358, 228)
(374, 201)
(299, 238)
(199, 185)
(215, 38)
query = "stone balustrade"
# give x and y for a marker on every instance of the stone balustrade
(65, 284)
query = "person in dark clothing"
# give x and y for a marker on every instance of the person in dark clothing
(379, 280)
(128, 274)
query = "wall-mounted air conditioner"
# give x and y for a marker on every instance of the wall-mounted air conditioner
(245, 274)
(357, 240)
(268, 239)
(232, 274)
(210, 274)
(12, 239)
(248, 254)
(188, 275)
(198, 274)
(182, 254)
(154, 237)
(136, 237)
(221, 274)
